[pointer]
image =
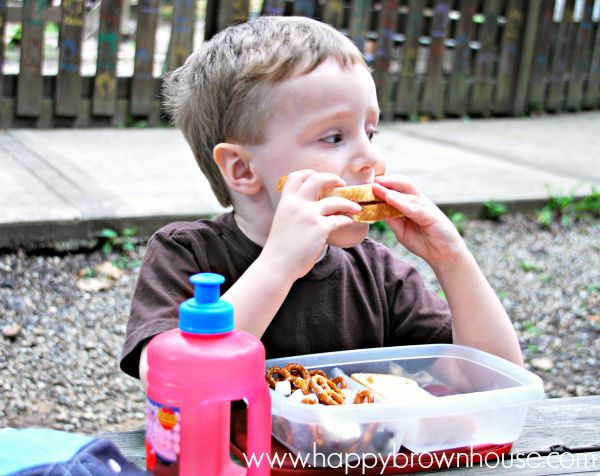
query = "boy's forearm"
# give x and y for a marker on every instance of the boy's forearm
(256, 297)
(258, 294)
(478, 317)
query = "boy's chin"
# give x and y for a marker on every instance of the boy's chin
(348, 236)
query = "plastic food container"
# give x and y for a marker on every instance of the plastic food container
(477, 399)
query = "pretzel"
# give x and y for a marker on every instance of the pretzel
(314, 372)
(327, 391)
(297, 370)
(309, 401)
(364, 396)
(282, 373)
(302, 384)
(340, 382)
(373, 207)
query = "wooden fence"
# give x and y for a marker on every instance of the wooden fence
(434, 58)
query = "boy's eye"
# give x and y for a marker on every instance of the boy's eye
(332, 138)
(371, 134)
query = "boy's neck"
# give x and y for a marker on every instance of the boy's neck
(253, 232)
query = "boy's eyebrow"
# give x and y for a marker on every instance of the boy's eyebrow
(341, 114)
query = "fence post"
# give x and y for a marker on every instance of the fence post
(142, 83)
(274, 7)
(30, 83)
(592, 91)
(333, 13)
(541, 55)
(2, 28)
(67, 97)
(581, 59)
(559, 60)
(304, 8)
(509, 57)
(105, 82)
(406, 94)
(383, 55)
(458, 96)
(181, 42)
(361, 12)
(433, 96)
(232, 11)
(483, 83)
(525, 65)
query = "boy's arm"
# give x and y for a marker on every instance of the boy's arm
(298, 235)
(478, 318)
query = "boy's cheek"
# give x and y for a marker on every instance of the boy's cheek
(348, 236)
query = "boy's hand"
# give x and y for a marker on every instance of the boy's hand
(424, 230)
(303, 222)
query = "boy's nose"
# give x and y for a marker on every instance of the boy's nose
(369, 159)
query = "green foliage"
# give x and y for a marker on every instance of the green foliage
(531, 328)
(459, 220)
(567, 209)
(593, 288)
(494, 210)
(533, 348)
(380, 229)
(501, 294)
(442, 295)
(527, 266)
(121, 244)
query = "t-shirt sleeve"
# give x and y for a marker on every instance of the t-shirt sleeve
(417, 315)
(163, 284)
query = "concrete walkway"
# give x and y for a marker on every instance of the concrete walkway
(68, 184)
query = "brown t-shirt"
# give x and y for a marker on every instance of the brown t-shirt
(353, 298)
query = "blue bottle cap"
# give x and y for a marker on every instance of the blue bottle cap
(206, 313)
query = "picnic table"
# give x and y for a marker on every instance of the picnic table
(560, 436)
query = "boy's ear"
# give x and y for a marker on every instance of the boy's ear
(234, 162)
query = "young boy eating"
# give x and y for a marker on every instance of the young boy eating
(286, 96)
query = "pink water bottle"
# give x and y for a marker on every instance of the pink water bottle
(195, 372)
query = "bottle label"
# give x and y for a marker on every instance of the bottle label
(163, 432)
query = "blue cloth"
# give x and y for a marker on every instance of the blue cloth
(37, 451)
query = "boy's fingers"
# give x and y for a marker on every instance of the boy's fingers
(335, 222)
(400, 183)
(295, 180)
(314, 184)
(338, 205)
(417, 209)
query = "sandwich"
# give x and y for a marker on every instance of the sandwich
(373, 208)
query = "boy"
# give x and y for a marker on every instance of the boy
(292, 96)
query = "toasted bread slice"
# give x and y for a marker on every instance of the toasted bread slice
(373, 208)
(392, 388)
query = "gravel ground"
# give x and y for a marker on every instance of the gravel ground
(60, 343)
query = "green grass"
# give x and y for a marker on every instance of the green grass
(122, 244)
(566, 208)
(494, 210)
(528, 267)
(459, 220)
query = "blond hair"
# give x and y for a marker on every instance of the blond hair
(221, 92)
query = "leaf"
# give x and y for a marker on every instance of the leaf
(109, 270)
(95, 284)
(130, 231)
(108, 233)
(107, 248)
(127, 246)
